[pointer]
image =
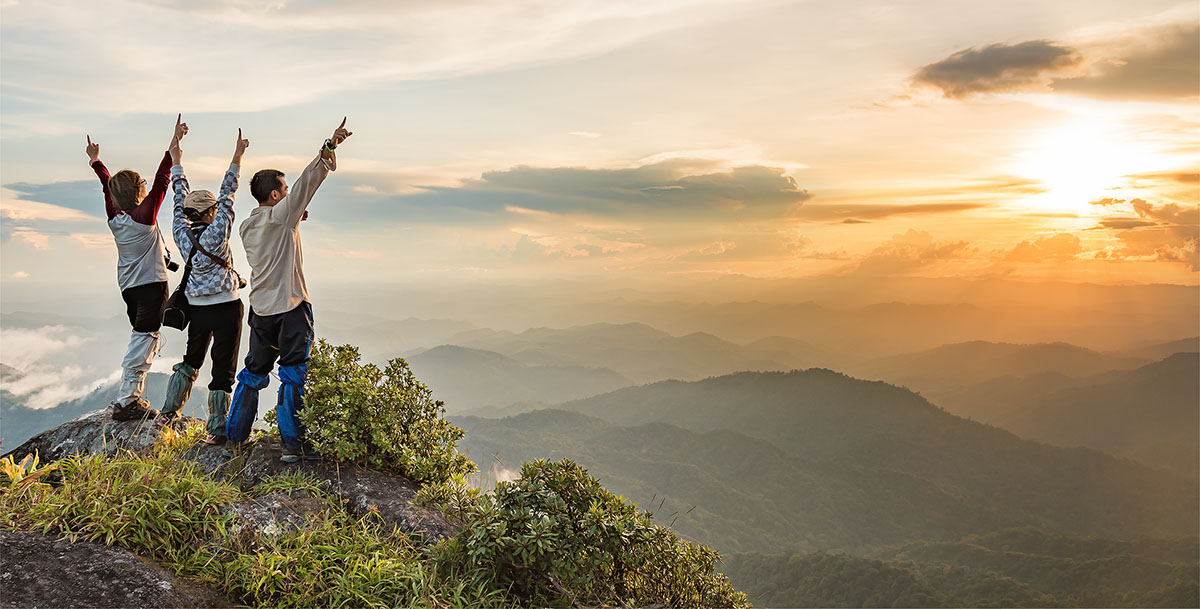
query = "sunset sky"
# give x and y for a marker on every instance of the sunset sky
(628, 139)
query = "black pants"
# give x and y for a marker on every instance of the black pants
(286, 337)
(145, 304)
(220, 324)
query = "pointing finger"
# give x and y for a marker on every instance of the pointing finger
(343, 125)
(179, 119)
(89, 137)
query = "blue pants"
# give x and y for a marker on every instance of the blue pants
(286, 337)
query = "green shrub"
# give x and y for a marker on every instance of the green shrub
(555, 537)
(384, 418)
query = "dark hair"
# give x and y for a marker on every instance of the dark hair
(194, 217)
(123, 189)
(263, 182)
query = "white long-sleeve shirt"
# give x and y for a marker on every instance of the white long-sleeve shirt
(271, 235)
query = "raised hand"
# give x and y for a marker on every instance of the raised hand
(240, 148)
(340, 134)
(181, 129)
(92, 149)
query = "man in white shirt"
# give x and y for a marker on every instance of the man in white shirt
(281, 321)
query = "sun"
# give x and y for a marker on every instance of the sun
(1080, 163)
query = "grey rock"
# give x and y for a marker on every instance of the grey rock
(384, 496)
(91, 434)
(40, 571)
(275, 514)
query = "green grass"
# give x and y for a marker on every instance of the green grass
(160, 506)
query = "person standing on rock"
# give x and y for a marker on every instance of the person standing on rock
(281, 319)
(142, 261)
(202, 225)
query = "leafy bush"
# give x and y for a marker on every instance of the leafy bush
(555, 537)
(384, 418)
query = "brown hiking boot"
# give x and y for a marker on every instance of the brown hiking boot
(138, 409)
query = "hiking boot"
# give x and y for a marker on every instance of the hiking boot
(167, 419)
(212, 440)
(234, 449)
(138, 409)
(291, 455)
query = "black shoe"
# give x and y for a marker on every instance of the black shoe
(233, 449)
(138, 409)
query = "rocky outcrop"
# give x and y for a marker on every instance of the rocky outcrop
(40, 571)
(381, 495)
(92, 434)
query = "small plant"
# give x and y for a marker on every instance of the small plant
(21, 476)
(455, 498)
(296, 480)
(384, 418)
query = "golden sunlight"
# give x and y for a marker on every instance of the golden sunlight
(1083, 162)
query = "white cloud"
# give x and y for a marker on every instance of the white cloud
(22, 347)
(23, 211)
(94, 240)
(301, 52)
(39, 241)
(20, 275)
(44, 387)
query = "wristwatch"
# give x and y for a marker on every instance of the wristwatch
(329, 145)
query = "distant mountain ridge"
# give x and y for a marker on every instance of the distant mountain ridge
(467, 378)
(1151, 413)
(832, 434)
(973, 362)
(640, 352)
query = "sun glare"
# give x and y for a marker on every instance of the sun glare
(1081, 163)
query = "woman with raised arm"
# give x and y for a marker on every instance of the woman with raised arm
(202, 225)
(141, 268)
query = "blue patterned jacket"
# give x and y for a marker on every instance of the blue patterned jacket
(208, 279)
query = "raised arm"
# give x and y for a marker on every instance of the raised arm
(291, 208)
(93, 152)
(147, 212)
(179, 223)
(229, 187)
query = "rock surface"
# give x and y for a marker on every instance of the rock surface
(275, 514)
(91, 434)
(385, 496)
(40, 571)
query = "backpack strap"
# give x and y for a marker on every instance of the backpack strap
(194, 235)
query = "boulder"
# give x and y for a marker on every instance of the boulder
(385, 496)
(41, 571)
(91, 434)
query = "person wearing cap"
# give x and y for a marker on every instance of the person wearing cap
(281, 318)
(212, 291)
(141, 269)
